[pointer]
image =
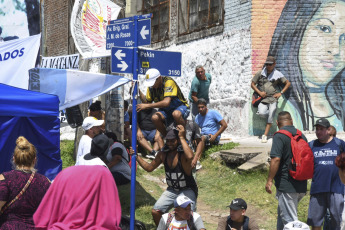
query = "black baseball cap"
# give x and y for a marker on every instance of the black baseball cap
(323, 122)
(237, 204)
(172, 134)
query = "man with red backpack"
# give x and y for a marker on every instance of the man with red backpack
(289, 190)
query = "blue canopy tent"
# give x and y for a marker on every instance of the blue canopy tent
(33, 115)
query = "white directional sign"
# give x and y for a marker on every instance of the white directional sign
(121, 60)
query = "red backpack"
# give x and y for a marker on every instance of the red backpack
(302, 161)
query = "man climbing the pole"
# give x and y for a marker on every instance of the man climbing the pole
(177, 157)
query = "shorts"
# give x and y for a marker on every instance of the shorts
(207, 140)
(149, 134)
(169, 117)
(318, 205)
(166, 201)
(267, 111)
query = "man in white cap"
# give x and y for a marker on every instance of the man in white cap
(92, 128)
(168, 97)
(181, 217)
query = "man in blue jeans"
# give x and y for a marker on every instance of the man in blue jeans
(167, 97)
(177, 157)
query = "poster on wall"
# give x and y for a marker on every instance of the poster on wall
(61, 62)
(307, 39)
(88, 26)
(19, 19)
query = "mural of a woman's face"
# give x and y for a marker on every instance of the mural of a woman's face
(322, 50)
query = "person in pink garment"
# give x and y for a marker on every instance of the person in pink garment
(81, 197)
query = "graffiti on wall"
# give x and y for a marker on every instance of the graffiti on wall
(308, 43)
(19, 19)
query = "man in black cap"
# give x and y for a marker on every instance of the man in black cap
(237, 219)
(268, 84)
(99, 148)
(177, 158)
(326, 189)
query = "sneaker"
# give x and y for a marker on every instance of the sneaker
(198, 166)
(264, 139)
(152, 155)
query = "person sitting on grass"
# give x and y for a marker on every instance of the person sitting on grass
(212, 126)
(237, 220)
(181, 217)
(178, 170)
(118, 159)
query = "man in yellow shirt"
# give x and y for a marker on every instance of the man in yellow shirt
(167, 97)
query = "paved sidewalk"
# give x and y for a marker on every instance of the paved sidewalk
(255, 141)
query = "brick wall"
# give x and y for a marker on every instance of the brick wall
(56, 17)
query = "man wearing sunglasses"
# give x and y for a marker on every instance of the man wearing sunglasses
(270, 84)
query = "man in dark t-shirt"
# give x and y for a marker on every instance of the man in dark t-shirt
(289, 190)
(147, 133)
(326, 190)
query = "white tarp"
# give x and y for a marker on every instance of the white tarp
(61, 62)
(89, 21)
(71, 86)
(16, 58)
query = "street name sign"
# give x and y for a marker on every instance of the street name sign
(121, 32)
(168, 63)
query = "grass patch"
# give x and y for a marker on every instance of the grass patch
(66, 151)
(217, 148)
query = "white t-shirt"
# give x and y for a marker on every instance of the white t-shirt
(94, 161)
(83, 148)
(180, 225)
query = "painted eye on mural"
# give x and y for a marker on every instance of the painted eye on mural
(326, 29)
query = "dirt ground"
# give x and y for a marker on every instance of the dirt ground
(209, 214)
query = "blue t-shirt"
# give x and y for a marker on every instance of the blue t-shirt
(201, 88)
(209, 123)
(126, 118)
(326, 177)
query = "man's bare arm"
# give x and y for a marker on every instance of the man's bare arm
(274, 166)
(149, 167)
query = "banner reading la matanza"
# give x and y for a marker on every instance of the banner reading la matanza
(16, 58)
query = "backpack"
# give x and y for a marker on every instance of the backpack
(245, 223)
(125, 224)
(190, 222)
(302, 161)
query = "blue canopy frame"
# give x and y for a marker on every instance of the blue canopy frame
(33, 115)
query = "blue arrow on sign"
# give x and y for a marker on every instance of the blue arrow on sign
(121, 60)
(122, 34)
(168, 63)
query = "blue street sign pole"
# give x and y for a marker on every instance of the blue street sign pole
(134, 125)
